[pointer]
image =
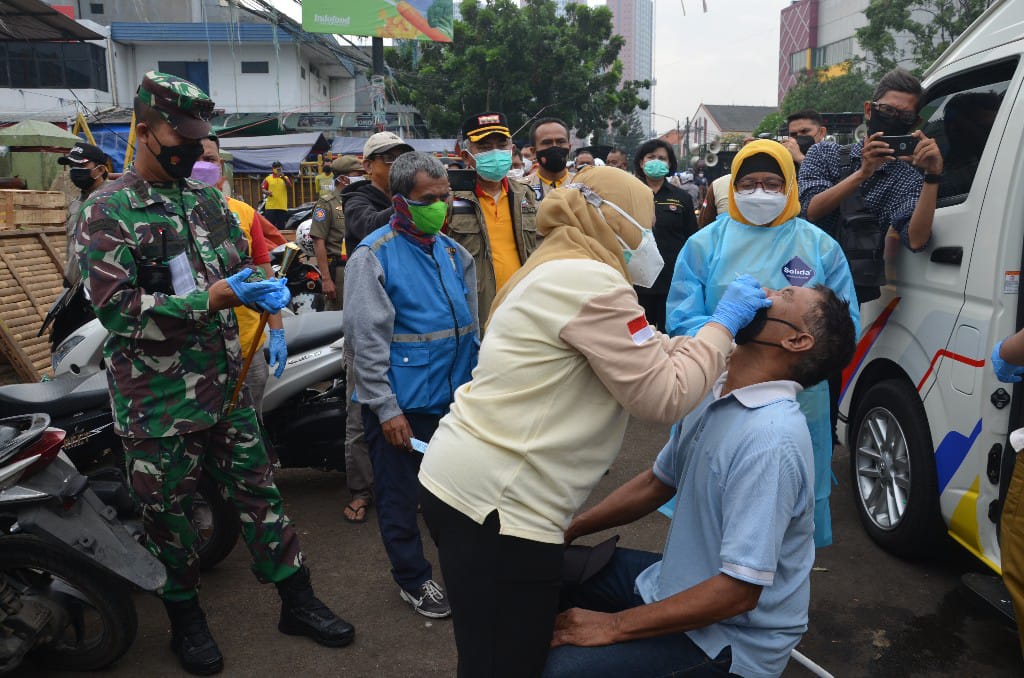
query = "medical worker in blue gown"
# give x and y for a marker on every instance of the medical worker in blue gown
(762, 236)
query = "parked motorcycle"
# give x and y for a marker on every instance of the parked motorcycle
(303, 416)
(66, 563)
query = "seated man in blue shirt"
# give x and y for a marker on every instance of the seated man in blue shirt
(730, 593)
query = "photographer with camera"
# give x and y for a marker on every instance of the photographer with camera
(855, 193)
(494, 218)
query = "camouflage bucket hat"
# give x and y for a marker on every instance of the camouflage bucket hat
(182, 104)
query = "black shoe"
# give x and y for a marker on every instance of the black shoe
(429, 600)
(302, 613)
(191, 639)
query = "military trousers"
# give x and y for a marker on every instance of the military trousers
(164, 475)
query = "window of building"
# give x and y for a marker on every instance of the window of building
(798, 61)
(959, 114)
(96, 7)
(255, 66)
(302, 72)
(833, 53)
(53, 65)
(325, 90)
(313, 70)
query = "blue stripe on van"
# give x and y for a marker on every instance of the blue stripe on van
(951, 453)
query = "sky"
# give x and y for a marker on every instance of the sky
(728, 55)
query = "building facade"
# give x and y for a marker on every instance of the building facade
(634, 21)
(821, 34)
(246, 62)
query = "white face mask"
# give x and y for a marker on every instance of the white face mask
(515, 173)
(527, 165)
(761, 207)
(356, 179)
(643, 263)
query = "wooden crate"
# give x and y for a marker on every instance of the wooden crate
(31, 209)
(31, 268)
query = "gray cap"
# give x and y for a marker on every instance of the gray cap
(384, 141)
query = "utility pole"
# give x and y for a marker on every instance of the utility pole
(379, 103)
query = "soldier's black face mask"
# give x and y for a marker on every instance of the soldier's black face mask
(82, 177)
(178, 160)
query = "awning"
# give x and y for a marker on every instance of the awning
(34, 20)
(255, 155)
(354, 145)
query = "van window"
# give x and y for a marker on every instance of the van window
(959, 114)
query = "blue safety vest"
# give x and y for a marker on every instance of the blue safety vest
(434, 344)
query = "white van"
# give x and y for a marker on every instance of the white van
(925, 419)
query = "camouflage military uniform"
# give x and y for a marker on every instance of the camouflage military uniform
(172, 365)
(328, 223)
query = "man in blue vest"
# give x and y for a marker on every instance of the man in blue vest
(412, 323)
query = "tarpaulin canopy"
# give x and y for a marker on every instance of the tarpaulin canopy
(354, 145)
(112, 138)
(36, 133)
(255, 155)
(35, 147)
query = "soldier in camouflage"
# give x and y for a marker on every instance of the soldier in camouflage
(165, 261)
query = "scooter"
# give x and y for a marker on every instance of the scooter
(303, 416)
(67, 564)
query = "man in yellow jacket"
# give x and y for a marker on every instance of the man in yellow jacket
(275, 189)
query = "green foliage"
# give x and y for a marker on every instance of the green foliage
(524, 62)
(626, 136)
(846, 92)
(771, 123)
(930, 26)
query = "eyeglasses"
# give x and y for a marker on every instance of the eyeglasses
(748, 186)
(887, 111)
(387, 159)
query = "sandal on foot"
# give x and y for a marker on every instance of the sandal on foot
(358, 509)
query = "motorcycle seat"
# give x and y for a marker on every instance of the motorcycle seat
(310, 330)
(66, 394)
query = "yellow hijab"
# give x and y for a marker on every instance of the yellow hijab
(785, 160)
(573, 229)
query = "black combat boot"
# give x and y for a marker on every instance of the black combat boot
(191, 639)
(302, 613)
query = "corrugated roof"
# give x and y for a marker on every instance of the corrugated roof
(35, 21)
(738, 118)
(197, 32)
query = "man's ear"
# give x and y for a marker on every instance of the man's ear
(867, 110)
(822, 133)
(798, 344)
(467, 158)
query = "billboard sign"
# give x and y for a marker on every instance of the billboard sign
(404, 19)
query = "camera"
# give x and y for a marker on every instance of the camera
(903, 144)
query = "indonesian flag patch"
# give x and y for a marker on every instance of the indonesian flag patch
(640, 330)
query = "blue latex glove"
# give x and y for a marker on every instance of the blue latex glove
(278, 351)
(742, 299)
(1005, 372)
(266, 295)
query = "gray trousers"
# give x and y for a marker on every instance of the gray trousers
(358, 469)
(256, 381)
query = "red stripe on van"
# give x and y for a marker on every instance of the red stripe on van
(948, 354)
(867, 340)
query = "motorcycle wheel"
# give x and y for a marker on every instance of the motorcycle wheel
(101, 616)
(216, 523)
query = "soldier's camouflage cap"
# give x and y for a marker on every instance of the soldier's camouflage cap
(184, 105)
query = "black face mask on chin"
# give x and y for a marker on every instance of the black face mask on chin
(756, 326)
(178, 160)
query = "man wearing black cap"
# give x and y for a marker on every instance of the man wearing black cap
(497, 221)
(88, 171)
(164, 262)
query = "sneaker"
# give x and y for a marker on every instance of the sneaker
(429, 600)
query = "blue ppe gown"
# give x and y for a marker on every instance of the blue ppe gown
(795, 253)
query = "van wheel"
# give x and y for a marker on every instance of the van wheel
(892, 470)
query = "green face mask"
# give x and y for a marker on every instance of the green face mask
(428, 218)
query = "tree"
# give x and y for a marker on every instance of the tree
(526, 62)
(627, 137)
(928, 25)
(771, 124)
(831, 94)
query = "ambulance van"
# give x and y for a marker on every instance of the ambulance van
(924, 417)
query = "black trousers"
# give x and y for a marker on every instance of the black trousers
(503, 592)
